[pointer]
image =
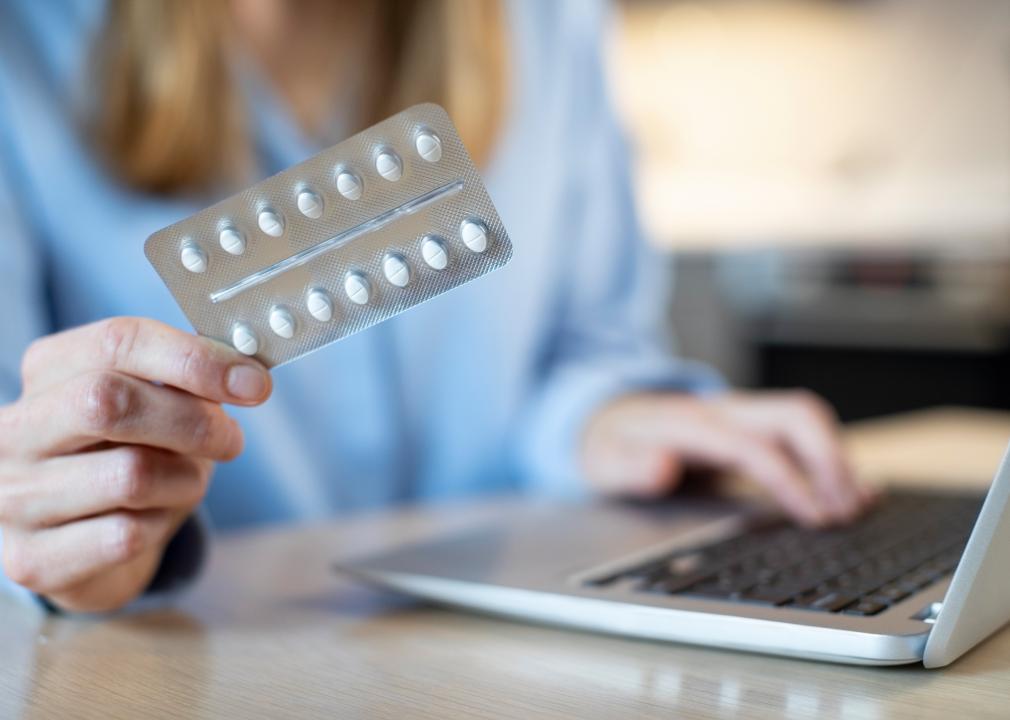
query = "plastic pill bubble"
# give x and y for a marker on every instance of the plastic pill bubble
(389, 166)
(320, 306)
(271, 223)
(244, 339)
(349, 185)
(310, 204)
(356, 287)
(474, 235)
(396, 269)
(433, 252)
(232, 241)
(282, 323)
(194, 258)
(429, 146)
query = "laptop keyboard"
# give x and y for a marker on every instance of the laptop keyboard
(907, 542)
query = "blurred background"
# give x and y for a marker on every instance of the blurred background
(834, 178)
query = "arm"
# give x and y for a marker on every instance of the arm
(610, 336)
(616, 410)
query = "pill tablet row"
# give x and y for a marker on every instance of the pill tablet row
(310, 204)
(317, 252)
(395, 269)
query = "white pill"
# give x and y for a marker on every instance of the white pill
(320, 306)
(349, 185)
(433, 252)
(194, 258)
(310, 204)
(356, 287)
(282, 323)
(396, 269)
(232, 241)
(244, 339)
(474, 235)
(271, 223)
(389, 166)
(429, 146)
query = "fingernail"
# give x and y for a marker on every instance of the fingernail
(247, 382)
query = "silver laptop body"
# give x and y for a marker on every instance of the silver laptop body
(544, 564)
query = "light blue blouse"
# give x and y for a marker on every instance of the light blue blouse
(484, 389)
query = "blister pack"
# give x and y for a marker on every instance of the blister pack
(360, 232)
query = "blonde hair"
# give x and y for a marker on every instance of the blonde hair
(169, 116)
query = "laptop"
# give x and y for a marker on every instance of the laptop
(922, 577)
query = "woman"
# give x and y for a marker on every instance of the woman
(546, 376)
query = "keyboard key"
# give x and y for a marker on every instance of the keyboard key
(909, 541)
(767, 595)
(865, 607)
(892, 593)
(830, 602)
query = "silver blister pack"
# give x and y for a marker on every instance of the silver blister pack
(356, 234)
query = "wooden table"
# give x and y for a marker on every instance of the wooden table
(270, 632)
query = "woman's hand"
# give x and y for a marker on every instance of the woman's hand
(787, 442)
(109, 449)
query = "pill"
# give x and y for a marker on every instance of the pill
(474, 235)
(282, 323)
(396, 269)
(244, 339)
(232, 241)
(320, 306)
(349, 185)
(389, 166)
(433, 252)
(429, 146)
(271, 223)
(194, 258)
(356, 287)
(310, 204)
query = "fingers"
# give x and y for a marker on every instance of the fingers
(806, 428)
(149, 350)
(774, 471)
(808, 431)
(63, 489)
(787, 443)
(698, 433)
(108, 406)
(51, 560)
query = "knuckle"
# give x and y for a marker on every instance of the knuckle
(31, 359)
(118, 336)
(812, 404)
(194, 364)
(202, 426)
(760, 457)
(132, 478)
(20, 566)
(126, 538)
(197, 479)
(212, 431)
(107, 401)
(13, 505)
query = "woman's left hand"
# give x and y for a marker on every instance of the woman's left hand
(787, 442)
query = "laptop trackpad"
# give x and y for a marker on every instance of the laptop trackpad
(543, 544)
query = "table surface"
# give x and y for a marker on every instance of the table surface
(270, 632)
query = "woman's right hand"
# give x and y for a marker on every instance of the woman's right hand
(109, 449)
